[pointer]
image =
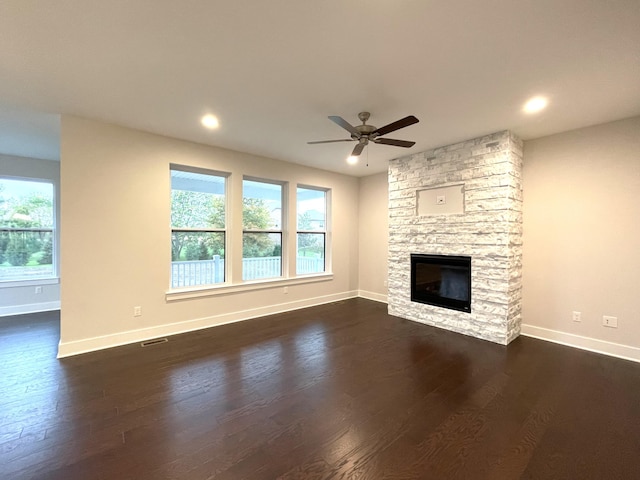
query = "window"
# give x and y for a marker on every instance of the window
(26, 229)
(312, 229)
(198, 205)
(261, 230)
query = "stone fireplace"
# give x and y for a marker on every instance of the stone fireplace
(461, 200)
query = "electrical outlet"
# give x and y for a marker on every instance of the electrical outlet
(577, 317)
(386, 283)
(38, 290)
(285, 290)
(137, 311)
(611, 322)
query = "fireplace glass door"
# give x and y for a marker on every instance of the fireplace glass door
(442, 281)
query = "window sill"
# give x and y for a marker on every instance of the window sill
(30, 282)
(225, 289)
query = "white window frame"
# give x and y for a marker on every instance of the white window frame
(235, 227)
(282, 231)
(325, 231)
(224, 231)
(44, 279)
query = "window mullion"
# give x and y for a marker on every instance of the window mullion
(26, 230)
(196, 231)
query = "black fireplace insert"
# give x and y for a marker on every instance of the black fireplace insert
(441, 280)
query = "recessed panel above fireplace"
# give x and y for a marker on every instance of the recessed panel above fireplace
(446, 200)
(441, 280)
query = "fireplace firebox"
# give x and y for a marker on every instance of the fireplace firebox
(442, 281)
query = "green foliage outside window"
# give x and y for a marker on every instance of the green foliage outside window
(309, 245)
(202, 210)
(196, 210)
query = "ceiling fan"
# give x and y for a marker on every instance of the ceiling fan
(364, 133)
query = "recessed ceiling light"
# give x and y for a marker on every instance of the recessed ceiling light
(535, 104)
(352, 160)
(210, 121)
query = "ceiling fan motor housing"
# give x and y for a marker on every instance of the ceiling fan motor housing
(364, 130)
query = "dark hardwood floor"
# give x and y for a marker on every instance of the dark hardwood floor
(330, 392)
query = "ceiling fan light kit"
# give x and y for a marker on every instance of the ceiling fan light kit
(363, 134)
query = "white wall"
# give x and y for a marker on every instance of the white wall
(116, 237)
(374, 231)
(20, 297)
(582, 237)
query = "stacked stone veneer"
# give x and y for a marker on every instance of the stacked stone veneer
(489, 231)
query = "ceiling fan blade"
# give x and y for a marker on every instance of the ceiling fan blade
(346, 125)
(332, 141)
(394, 142)
(397, 125)
(357, 150)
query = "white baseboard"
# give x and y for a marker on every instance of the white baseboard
(67, 349)
(29, 308)
(585, 343)
(378, 297)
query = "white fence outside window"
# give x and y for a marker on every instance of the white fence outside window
(207, 272)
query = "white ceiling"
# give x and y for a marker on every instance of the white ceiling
(272, 71)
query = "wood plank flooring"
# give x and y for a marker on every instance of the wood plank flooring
(339, 391)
